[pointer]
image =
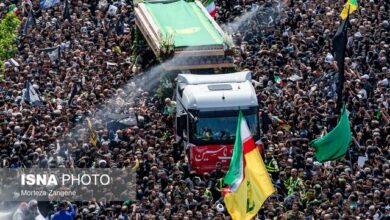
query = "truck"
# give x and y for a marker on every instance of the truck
(190, 44)
(207, 108)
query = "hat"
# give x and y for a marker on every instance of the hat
(384, 82)
(61, 204)
(57, 112)
(220, 208)
(85, 211)
(102, 163)
(365, 76)
(358, 34)
(329, 58)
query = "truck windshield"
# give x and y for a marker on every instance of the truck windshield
(219, 127)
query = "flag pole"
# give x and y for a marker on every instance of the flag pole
(341, 67)
(350, 159)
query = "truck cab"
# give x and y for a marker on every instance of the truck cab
(206, 116)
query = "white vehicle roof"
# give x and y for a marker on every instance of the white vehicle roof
(219, 91)
(195, 79)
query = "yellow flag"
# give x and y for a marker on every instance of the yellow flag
(248, 179)
(350, 7)
(92, 136)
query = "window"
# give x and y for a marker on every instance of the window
(219, 127)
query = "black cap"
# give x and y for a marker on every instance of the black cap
(62, 205)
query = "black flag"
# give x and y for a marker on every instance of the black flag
(339, 43)
(66, 10)
(30, 21)
(339, 47)
(53, 53)
(76, 89)
(120, 26)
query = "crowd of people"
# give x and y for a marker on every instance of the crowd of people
(93, 73)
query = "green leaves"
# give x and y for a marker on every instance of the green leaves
(7, 48)
(8, 27)
(2, 75)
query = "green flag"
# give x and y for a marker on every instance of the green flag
(335, 144)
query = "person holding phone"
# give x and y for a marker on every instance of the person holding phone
(66, 211)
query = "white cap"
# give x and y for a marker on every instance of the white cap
(329, 58)
(358, 34)
(102, 163)
(220, 208)
(384, 82)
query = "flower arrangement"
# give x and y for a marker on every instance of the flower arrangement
(228, 45)
(167, 46)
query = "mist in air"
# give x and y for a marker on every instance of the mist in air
(125, 100)
(258, 17)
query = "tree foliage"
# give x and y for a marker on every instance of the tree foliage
(8, 35)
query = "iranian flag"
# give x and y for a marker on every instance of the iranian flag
(13, 9)
(278, 80)
(210, 6)
(249, 184)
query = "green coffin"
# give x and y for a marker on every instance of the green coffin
(186, 21)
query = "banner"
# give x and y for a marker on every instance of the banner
(204, 158)
(48, 184)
